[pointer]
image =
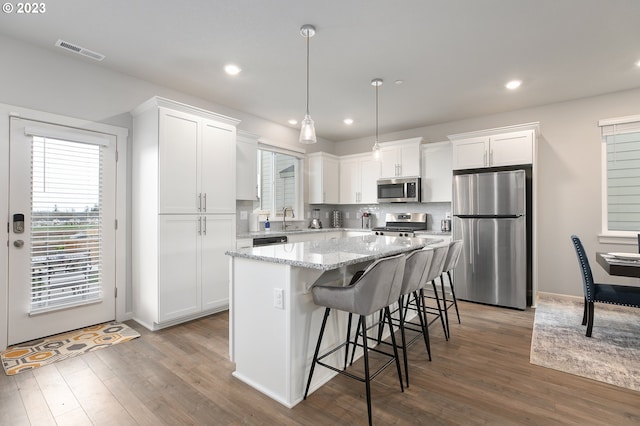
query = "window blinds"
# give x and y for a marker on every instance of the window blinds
(622, 139)
(66, 223)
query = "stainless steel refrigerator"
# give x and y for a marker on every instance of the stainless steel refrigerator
(490, 216)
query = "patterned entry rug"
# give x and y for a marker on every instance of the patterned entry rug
(41, 352)
(611, 355)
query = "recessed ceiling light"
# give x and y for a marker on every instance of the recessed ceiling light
(348, 121)
(513, 84)
(232, 69)
(399, 82)
(293, 122)
(638, 64)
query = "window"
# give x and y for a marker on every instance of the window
(66, 212)
(279, 182)
(621, 175)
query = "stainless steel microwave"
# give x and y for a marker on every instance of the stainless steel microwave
(399, 190)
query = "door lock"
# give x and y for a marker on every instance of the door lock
(18, 223)
(18, 243)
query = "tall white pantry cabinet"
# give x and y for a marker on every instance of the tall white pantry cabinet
(183, 214)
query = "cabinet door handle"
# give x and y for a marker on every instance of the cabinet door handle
(205, 202)
(199, 225)
(204, 228)
(200, 201)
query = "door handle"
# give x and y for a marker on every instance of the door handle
(18, 243)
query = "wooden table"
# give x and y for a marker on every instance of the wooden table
(618, 267)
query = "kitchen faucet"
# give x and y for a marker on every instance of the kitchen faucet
(284, 217)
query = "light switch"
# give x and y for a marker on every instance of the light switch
(278, 298)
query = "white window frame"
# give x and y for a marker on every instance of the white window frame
(609, 127)
(299, 154)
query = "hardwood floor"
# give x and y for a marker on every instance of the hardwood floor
(182, 375)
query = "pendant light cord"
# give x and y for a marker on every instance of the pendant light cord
(308, 37)
(377, 113)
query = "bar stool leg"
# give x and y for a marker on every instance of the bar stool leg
(395, 347)
(423, 323)
(444, 303)
(346, 346)
(435, 291)
(453, 294)
(315, 354)
(367, 379)
(404, 339)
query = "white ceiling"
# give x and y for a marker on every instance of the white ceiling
(454, 56)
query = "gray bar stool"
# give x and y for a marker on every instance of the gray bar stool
(437, 265)
(378, 287)
(453, 255)
(416, 267)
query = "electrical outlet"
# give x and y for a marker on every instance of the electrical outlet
(347, 215)
(278, 298)
(244, 215)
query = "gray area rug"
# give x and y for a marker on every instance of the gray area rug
(611, 355)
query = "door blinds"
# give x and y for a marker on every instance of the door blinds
(66, 223)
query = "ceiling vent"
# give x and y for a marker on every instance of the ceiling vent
(80, 50)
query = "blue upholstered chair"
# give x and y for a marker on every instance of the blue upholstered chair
(604, 293)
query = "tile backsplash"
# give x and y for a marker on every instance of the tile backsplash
(352, 214)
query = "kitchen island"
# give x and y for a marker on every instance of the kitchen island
(273, 322)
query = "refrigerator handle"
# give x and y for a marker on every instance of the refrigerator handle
(471, 243)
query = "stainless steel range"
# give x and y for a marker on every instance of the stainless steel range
(402, 224)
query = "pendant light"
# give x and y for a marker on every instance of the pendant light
(376, 82)
(308, 130)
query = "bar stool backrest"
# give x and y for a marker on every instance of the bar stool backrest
(378, 287)
(437, 263)
(417, 265)
(455, 248)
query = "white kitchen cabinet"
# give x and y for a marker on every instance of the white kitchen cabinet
(192, 178)
(494, 148)
(183, 211)
(359, 175)
(436, 173)
(244, 243)
(400, 158)
(246, 166)
(324, 178)
(192, 263)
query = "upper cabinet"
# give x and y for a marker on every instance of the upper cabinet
(436, 172)
(400, 158)
(324, 178)
(358, 179)
(246, 166)
(495, 147)
(189, 150)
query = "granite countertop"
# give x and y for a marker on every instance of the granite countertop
(433, 232)
(335, 253)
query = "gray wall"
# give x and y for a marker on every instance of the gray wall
(569, 178)
(61, 83)
(568, 152)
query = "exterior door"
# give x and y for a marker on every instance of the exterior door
(62, 202)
